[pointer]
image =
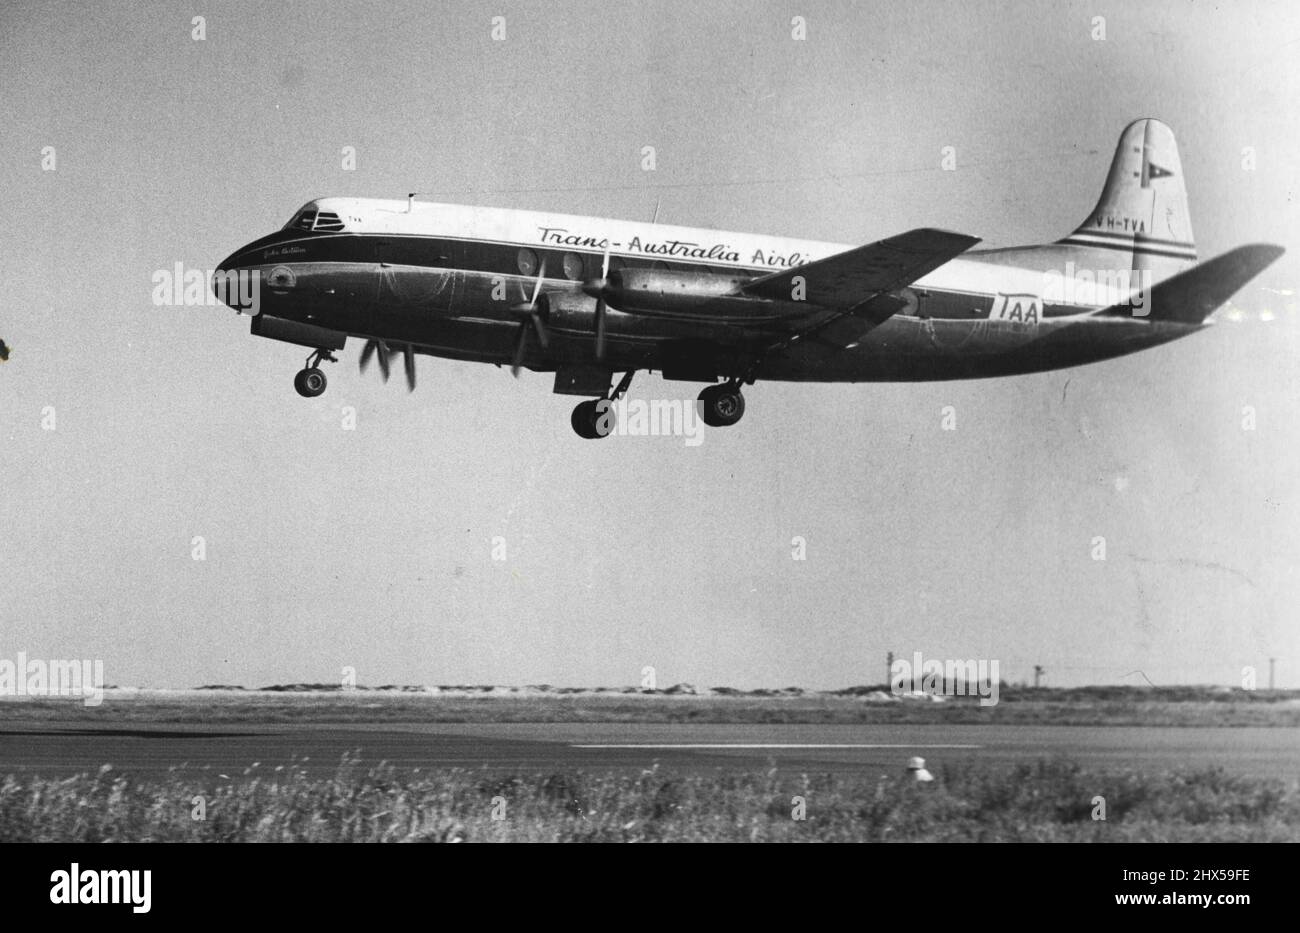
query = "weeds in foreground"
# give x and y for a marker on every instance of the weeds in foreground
(1052, 800)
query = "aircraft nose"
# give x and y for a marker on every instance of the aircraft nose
(233, 286)
(229, 263)
(220, 276)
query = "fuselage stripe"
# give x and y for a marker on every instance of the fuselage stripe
(1131, 248)
(1117, 235)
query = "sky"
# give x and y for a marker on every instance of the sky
(131, 430)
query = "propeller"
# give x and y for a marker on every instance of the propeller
(597, 290)
(600, 308)
(532, 321)
(369, 350)
(409, 352)
(380, 350)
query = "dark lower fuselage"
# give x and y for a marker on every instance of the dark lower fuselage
(459, 298)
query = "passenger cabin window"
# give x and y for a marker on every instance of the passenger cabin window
(526, 261)
(572, 266)
(912, 308)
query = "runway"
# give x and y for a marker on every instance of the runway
(150, 750)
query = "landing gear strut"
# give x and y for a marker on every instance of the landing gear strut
(722, 405)
(310, 381)
(595, 419)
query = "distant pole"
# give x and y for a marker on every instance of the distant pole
(889, 670)
(1271, 662)
(1038, 673)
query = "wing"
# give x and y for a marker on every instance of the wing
(849, 279)
(855, 286)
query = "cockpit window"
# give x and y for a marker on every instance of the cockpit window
(327, 221)
(313, 220)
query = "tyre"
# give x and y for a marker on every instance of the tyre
(309, 383)
(591, 421)
(724, 405)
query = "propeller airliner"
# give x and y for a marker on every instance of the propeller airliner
(588, 298)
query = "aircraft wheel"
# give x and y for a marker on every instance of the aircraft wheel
(309, 382)
(723, 405)
(591, 422)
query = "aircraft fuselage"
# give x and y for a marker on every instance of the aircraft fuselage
(448, 281)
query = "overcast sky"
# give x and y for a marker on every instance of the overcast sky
(371, 548)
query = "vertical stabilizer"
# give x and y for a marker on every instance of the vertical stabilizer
(1141, 217)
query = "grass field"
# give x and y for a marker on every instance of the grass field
(1118, 706)
(1050, 801)
(1053, 800)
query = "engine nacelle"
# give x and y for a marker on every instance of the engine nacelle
(698, 296)
(645, 290)
(570, 311)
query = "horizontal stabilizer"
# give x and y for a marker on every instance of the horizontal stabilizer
(1189, 297)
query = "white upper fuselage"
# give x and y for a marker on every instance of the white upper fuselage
(721, 250)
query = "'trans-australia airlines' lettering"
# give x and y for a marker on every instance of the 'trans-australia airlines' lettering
(721, 252)
(717, 251)
(561, 237)
(686, 249)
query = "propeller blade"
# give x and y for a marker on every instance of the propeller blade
(409, 352)
(521, 344)
(530, 309)
(537, 289)
(366, 353)
(600, 306)
(600, 328)
(543, 337)
(383, 358)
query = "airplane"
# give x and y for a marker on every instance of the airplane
(586, 298)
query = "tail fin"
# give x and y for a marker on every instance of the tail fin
(1143, 208)
(1190, 296)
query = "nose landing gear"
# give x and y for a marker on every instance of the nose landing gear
(310, 381)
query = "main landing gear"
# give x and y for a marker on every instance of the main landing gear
(721, 406)
(595, 419)
(310, 381)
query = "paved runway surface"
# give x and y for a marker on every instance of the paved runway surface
(219, 750)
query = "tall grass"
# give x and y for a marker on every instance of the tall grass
(1047, 801)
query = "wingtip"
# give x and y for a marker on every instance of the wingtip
(968, 238)
(1261, 255)
(959, 241)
